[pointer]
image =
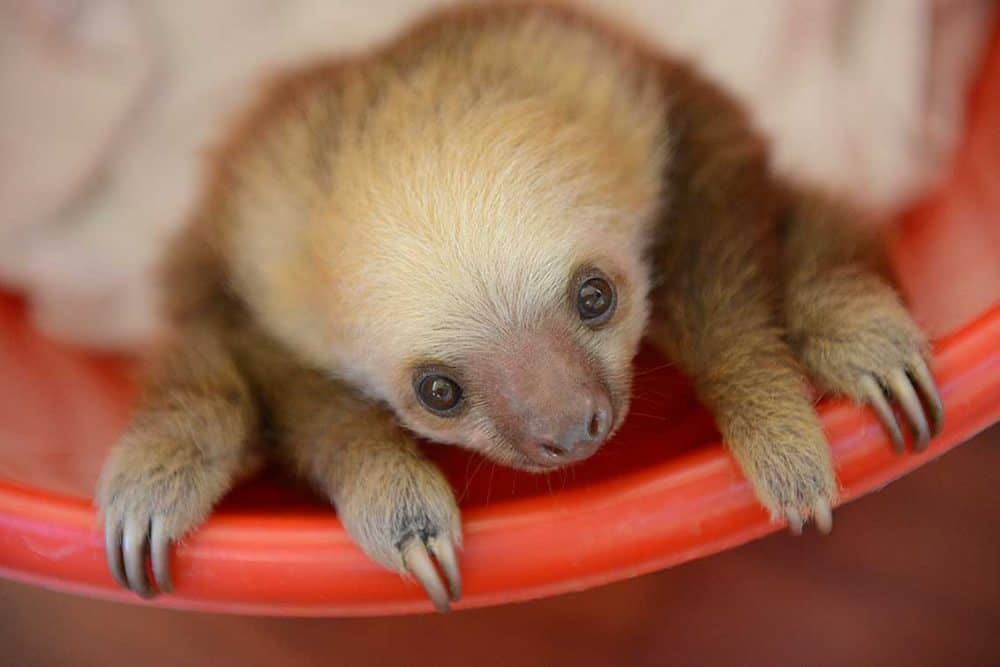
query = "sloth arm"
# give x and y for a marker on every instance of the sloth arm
(715, 305)
(192, 435)
(196, 429)
(216, 387)
(393, 501)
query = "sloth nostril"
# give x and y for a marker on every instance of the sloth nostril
(594, 427)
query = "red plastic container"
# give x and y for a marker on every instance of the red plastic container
(663, 492)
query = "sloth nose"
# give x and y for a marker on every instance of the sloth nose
(575, 437)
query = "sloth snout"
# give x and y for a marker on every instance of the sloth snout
(576, 435)
(547, 397)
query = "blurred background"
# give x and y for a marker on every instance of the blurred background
(108, 106)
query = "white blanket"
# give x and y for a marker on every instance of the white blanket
(107, 106)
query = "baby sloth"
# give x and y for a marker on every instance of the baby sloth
(464, 237)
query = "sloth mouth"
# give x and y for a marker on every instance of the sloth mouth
(518, 461)
(538, 468)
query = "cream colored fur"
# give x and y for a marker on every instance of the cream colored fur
(436, 222)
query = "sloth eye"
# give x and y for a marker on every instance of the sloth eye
(439, 394)
(595, 300)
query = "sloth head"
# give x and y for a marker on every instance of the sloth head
(493, 277)
(512, 339)
(479, 262)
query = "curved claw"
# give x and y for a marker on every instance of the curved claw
(129, 548)
(113, 551)
(444, 552)
(877, 400)
(134, 548)
(794, 520)
(924, 382)
(418, 563)
(159, 554)
(902, 390)
(822, 516)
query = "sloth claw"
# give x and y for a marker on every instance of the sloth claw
(130, 545)
(928, 390)
(417, 553)
(877, 400)
(820, 513)
(444, 551)
(822, 516)
(794, 520)
(902, 390)
(159, 551)
(113, 551)
(906, 387)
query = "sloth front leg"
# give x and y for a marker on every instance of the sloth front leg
(748, 378)
(846, 322)
(392, 500)
(715, 306)
(189, 439)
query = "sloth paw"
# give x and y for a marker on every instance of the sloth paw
(876, 357)
(819, 511)
(408, 527)
(149, 496)
(795, 481)
(912, 388)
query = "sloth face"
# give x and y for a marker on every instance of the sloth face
(485, 259)
(540, 393)
(505, 324)
(521, 351)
